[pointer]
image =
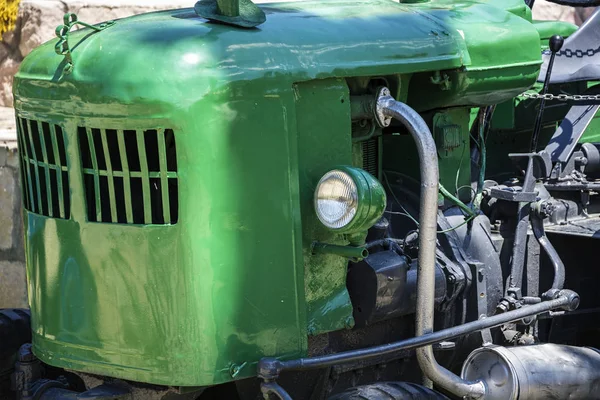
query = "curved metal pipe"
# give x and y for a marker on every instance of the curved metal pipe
(386, 109)
(273, 388)
(537, 225)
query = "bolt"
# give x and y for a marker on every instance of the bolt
(572, 297)
(269, 368)
(503, 306)
(528, 320)
(547, 208)
(26, 353)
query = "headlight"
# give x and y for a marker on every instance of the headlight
(336, 199)
(349, 199)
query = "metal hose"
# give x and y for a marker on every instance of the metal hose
(386, 109)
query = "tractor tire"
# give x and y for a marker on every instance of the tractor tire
(389, 391)
(15, 330)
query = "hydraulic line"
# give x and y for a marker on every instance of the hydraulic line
(270, 368)
(480, 130)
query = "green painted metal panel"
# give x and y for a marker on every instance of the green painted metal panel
(547, 29)
(174, 304)
(451, 133)
(257, 116)
(324, 141)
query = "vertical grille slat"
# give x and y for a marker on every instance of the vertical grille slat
(145, 178)
(29, 137)
(110, 177)
(40, 130)
(126, 176)
(130, 176)
(25, 190)
(44, 175)
(164, 182)
(64, 166)
(96, 177)
(59, 181)
(26, 171)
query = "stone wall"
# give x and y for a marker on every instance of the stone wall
(37, 20)
(12, 259)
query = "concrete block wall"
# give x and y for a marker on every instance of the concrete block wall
(12, 259)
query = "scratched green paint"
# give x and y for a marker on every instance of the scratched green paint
(324, 105)
(234, 279)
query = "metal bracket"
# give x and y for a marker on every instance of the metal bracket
(62, 47)
(542, 166)
(481, 284)
(509, 195)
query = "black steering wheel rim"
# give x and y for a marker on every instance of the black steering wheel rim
(577, 3)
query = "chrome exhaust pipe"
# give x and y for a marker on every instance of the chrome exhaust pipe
(387, 108)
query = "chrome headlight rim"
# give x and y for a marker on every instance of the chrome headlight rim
(347, 196)
(369, 197)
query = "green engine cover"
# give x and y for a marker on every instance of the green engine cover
(192, 285)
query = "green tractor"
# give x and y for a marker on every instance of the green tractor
(314, 200)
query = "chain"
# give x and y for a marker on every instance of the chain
(562, 97)
(578, 53)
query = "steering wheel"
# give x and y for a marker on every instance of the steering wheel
(577, 3)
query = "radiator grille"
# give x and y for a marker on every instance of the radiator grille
(44, 176)
(370, 150)
(130, 176)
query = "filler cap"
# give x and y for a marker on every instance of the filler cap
(242, 13)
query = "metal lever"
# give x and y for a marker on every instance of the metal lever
(556, 43)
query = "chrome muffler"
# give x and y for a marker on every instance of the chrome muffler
(537, 372)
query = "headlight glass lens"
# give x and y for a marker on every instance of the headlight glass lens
(336, 199)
